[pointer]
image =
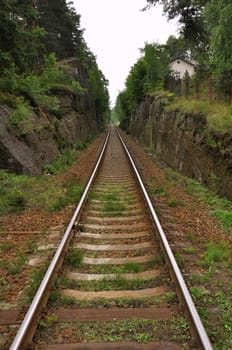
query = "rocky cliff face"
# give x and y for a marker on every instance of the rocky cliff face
(184, 143)
(28, 147)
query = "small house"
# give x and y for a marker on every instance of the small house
(179, 67)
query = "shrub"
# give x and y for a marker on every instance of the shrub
(21, 117)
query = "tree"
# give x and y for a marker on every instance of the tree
(219, 21)
(20, 36)
(121, 109)
(97, 88)
(156, 63)
(147, 75)
(135, 84)
(62, 24)
(178, 47)
(190, 14)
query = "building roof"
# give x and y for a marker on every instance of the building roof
(192, 63)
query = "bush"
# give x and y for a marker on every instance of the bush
(61, 163)
(21, 117)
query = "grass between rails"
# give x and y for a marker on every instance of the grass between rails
(141, 331)
(119, 269)
(119, 283)
(160, 301)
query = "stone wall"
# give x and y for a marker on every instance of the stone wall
(184, 143)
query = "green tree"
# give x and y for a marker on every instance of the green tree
(178, 47)
(190, 14)
(156, 61)
(62, 25)
(147, 75)
(20, 36)
(135, 84)
(219, 21)
(121, 109)
(98, 90)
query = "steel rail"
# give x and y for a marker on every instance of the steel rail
(196, 327)
(24, 334)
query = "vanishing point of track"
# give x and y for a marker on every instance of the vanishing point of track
(122, 288)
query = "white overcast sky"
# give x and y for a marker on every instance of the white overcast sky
(114, 32)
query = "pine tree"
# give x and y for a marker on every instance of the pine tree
(61, 23)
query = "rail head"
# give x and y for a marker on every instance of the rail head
(26, 330)
(196, 326)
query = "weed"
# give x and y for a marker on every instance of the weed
(179, 259)
(6, 246)
(114, 206)
(189, 250)
(34, 282)
(216, 252)
(169, 297)
(21, 118)
(74, 257)
(71, 194)
(54, 296)
(161, 190)
(109, 197)
(226, 310)
(65, 159)
(139, 330)
(192, 237)
(174, 202)
(224, 217)
(198, 292)
(142, 337)
(49, 321)
(132, 267)
(30, 245)
(119, 283)
(80, 145)
(17, 266)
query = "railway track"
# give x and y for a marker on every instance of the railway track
(117, 284)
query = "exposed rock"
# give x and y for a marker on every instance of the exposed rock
(184, 142)
(27, 148)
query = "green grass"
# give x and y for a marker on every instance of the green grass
(119, 283)
(74, 257)
(219, 116)
(224, 217)
(69, 195)
(132, 267)
(18, 192)
(173, 202)
(6, 246)
(15, 266)
(114, 206)
(124, 268)
(169, 297)
(189, 250)
(34, 281)
(216, 253)
(221, 208)
(65, 159)
(48, 321)
(138, 330)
